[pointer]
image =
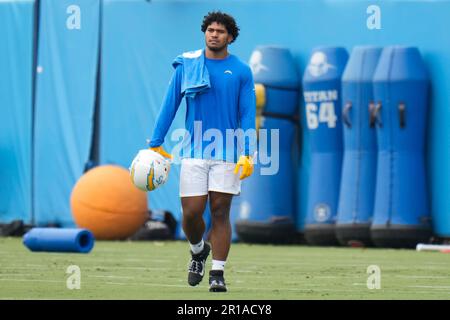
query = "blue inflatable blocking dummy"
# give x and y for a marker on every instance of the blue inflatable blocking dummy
(322, 95)
(262, 216)
(401, 215)
(357, 192)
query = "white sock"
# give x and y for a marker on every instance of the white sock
(197, 248)
(218, 265)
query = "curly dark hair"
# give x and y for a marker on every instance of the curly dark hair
(222, 18)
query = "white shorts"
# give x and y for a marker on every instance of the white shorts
(199, 176)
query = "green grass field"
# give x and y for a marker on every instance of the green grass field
(157, 270)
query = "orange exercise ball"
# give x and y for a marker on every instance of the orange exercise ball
(105, 201)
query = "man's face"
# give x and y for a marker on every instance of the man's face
(217, 37)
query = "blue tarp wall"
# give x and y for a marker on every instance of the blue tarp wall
(16, 83)
(137, 41)
(64, 103)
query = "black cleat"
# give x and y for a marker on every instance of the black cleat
(197, 265)
(216, 281)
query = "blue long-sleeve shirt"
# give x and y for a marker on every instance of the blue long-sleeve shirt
(228, 104)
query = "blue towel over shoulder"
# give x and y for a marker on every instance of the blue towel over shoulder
(195, 78)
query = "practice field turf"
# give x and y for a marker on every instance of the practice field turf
(157, 270)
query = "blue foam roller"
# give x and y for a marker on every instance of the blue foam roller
(59, 240)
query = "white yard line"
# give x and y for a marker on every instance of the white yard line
(432, 287)
(25, 267)
(127, 268)
(147, 284)
(15, 274)
(32, 280)
(110, 276)
(421, 277)
(234, 287)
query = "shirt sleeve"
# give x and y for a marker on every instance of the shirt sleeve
(168, 109)
(247, 112)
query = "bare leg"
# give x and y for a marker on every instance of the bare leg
(193, 224)
(220, 235)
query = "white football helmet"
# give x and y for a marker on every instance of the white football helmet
(149, 170)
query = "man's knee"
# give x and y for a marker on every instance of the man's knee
(193, 209)
(220, 209)
(190, 214)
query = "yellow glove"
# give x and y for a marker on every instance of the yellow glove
(247, 166)
(162, 152)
